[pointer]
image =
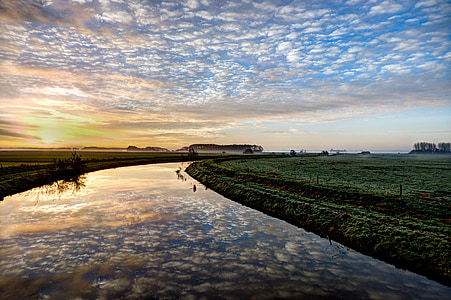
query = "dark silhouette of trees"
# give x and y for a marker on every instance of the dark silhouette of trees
(431, 147)
(67, 169)
(444, 147)
(425, 147)
(148, 148)
(237, 148)
(192, 153)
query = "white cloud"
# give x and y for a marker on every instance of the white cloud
(427, 3)
(284, 47)
(354, 49)
(339, 32)
(112, 17)
(267, 6)
(82, 1)
(353, 2)
(312, 29)
(192, 4)
(329, 71)
(219, 61)
(318, 49)
(386, 7)
(293, 56)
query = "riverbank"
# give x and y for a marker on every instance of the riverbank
(142, 233)
(407, 231)
(24, 170)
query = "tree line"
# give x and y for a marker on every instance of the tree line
(431, 147)
(239, 148)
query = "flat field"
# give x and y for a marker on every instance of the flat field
(353, 199)
(425, 175)
(37, 157)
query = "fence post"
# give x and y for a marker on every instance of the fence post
(400, 190)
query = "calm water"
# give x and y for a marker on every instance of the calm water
(139, 232)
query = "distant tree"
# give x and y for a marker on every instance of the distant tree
(292, 153)
(431, 147)
(192, 153)
(425, 147)
(248, 151)
(444, 147)
(229, 148)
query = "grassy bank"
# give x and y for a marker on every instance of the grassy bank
(23, 170)
(411, 231)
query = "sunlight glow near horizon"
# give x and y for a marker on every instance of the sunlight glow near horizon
(356, 74)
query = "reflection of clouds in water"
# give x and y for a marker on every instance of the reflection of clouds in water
(119, 241)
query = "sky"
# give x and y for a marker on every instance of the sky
(342, 74)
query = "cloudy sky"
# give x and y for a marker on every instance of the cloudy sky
(355, 74)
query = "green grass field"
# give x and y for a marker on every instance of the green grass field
(356, 201)
(382, 174)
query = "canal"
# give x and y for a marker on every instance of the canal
(148, 232)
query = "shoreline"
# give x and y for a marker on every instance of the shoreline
(281, 202)
(18, 179)
(37, 168)
(338, 215)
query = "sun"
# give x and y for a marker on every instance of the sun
(50, 135)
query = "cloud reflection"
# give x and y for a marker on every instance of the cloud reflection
(164, 241)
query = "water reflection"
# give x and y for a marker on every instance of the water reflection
(139, 232)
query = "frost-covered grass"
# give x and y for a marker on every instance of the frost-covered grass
(428, 175)
(354, 202)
